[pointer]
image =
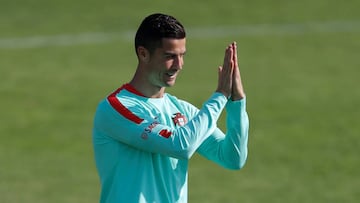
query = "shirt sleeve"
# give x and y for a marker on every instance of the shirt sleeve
(152, 136)
(229, 150)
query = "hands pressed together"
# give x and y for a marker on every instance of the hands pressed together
(229, 80)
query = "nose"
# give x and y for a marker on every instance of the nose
(179, 62)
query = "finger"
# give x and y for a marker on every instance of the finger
(227, 57)
(236, 75)
(231, 57)
(228, 69)
(235, 54)
(228, 66)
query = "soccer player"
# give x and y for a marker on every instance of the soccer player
(144, 137)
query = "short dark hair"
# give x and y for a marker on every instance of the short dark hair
(154, 28)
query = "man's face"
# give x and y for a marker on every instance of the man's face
(166, 62)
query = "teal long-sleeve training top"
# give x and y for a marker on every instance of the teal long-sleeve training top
(143, 145)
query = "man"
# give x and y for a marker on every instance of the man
(143, 137)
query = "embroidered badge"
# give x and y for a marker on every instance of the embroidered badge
(179, 119)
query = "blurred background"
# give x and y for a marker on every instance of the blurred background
(299, 62)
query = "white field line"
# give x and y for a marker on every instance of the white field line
(197, 33)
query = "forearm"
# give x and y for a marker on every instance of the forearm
(230, 150)
(236, 139)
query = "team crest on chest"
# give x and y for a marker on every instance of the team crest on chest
(179, 119)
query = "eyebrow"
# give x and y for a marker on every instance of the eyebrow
(172, 53)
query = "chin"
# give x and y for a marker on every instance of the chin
(169, 83)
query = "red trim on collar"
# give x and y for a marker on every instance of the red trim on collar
(131, 89)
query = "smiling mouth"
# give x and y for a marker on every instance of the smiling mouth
(171, 75)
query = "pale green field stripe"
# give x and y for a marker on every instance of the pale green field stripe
(201, 32)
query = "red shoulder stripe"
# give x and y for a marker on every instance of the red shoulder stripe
(120, 108)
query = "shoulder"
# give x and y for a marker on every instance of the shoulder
(121, 105)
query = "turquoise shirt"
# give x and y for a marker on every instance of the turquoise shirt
(143, 145)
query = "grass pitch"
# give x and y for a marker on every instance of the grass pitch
(299, 63)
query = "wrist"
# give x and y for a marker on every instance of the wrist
(227, 95)
(235, 97)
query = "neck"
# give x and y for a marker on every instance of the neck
(146, 88)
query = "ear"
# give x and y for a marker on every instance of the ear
(143, 54)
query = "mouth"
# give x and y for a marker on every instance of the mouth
(171, 74)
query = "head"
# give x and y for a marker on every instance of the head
(156, 27)
(160, 47)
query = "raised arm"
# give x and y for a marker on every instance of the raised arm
(230, 150)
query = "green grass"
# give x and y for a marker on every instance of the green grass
(302, 94)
